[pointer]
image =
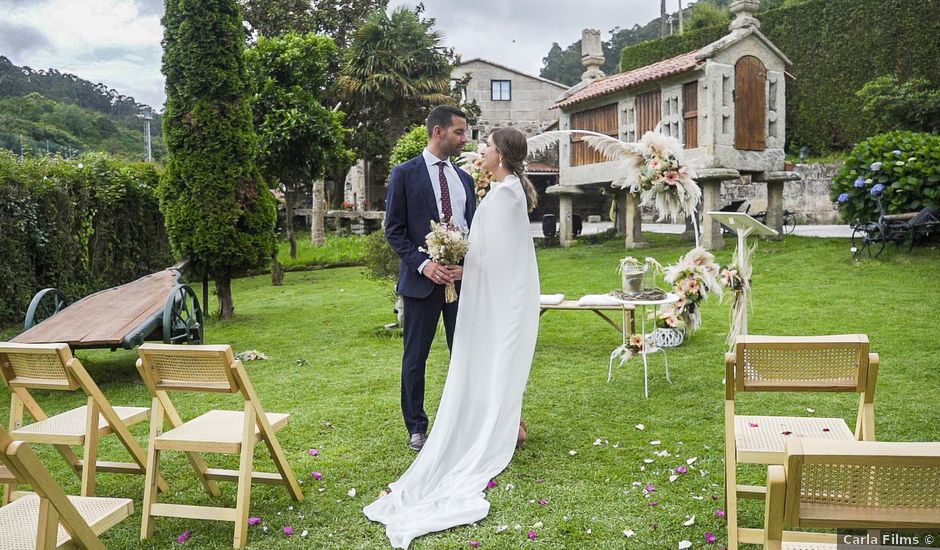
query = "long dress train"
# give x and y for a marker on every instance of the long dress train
(474, 434)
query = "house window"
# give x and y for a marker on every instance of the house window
(501, 90)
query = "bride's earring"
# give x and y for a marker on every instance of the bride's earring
(500, 162)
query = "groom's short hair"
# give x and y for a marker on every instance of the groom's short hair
(443, 116)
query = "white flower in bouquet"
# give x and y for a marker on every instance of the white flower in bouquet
(446, 245)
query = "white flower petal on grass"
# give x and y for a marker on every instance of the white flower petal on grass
(628, 533)
(538, 525)
(655, 442)
(572, 452)
(304, 534)
(640, 427)
(690, 522)
(684, 544)
(501, 528)
(698, 497)
(648, 460)
(691, 461)
(351, 492)
(597, 442)
(810, 410)
(509, 487)
(673, 478)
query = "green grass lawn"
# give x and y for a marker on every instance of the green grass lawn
(578, 481)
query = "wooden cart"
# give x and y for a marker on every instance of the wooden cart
(154, 307)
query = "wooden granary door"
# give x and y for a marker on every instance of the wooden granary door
(750, 104)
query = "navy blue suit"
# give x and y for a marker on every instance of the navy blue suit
(409, 208)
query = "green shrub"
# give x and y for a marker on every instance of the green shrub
(79, 226)
(381, 261)
(911, 105)
(906, 164)
(409, 146)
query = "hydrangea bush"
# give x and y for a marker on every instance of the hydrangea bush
(901, 167)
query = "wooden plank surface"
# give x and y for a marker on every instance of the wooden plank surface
(106, 317)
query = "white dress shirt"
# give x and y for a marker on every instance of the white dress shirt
(458, 197)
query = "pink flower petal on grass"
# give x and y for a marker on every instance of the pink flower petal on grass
(652, 503)
(474, 544)
(316, 475)
(650, 488)
(183, 537)
(254, 521)
(543, 502)
(719, 513)
(681, 470)
(532, 535)
(709, 537)
(288, 530)
(491, 483)
(314, 452)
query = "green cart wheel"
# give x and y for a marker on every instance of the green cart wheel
(46, 303)
(182, 317)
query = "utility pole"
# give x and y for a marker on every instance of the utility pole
(147, 115)
(681, 30)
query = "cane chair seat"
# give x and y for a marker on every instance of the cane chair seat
(68, 428)
(19, 520)
(216, 431)
(763, 439)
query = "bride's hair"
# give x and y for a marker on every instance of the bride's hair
(512, 146)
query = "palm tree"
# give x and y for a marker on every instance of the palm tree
(396, 64)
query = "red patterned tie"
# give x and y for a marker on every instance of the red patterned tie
(446, 208)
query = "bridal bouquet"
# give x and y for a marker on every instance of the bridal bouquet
(446, 245)
(472, 163)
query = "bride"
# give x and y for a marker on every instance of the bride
(477, 423)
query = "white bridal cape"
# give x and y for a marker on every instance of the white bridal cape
(474, 434)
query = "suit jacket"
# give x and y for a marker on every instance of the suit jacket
(409, 208)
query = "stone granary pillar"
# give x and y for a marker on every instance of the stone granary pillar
(565, 194)
(634, 237)
(775, 181)
(710, 179)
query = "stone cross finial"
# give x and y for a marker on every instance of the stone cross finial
(744, 11)
(592, 54)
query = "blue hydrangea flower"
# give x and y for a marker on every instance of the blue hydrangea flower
(877, 189)
(875, 166)
(859, 182)
(844, 197)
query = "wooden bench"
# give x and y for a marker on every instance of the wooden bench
(572, 305)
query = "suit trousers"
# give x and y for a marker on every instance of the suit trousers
(420, 325)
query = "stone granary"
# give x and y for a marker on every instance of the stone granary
(724, 102)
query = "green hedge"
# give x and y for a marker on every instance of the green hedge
(906, 166)
(79, 226)
(836, 46)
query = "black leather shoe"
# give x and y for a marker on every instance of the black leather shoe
(417, 441)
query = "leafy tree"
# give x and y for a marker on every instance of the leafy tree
(299, 137)
(707, 14)
(911, 105)
(396, 68)
(219, 213)
(334, 18)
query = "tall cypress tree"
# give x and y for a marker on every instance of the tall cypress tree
(219, 213)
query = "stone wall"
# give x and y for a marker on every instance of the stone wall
(808, 197)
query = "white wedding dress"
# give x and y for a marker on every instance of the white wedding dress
(474, 435)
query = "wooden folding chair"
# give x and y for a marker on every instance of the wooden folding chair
(48, 518)
(839, 363)
(855, 485)
(209, 368)
(26, 367)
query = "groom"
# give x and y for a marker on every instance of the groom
(427, 187)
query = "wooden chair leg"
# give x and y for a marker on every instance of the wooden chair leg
(283, 467)
(195, 459)
(152, 473)
(90, 455)
(245, 467)
(48, 529)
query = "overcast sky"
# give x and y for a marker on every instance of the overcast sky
(117, 42)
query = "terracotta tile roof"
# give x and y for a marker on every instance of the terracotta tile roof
(540, 168)
(622, 81)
